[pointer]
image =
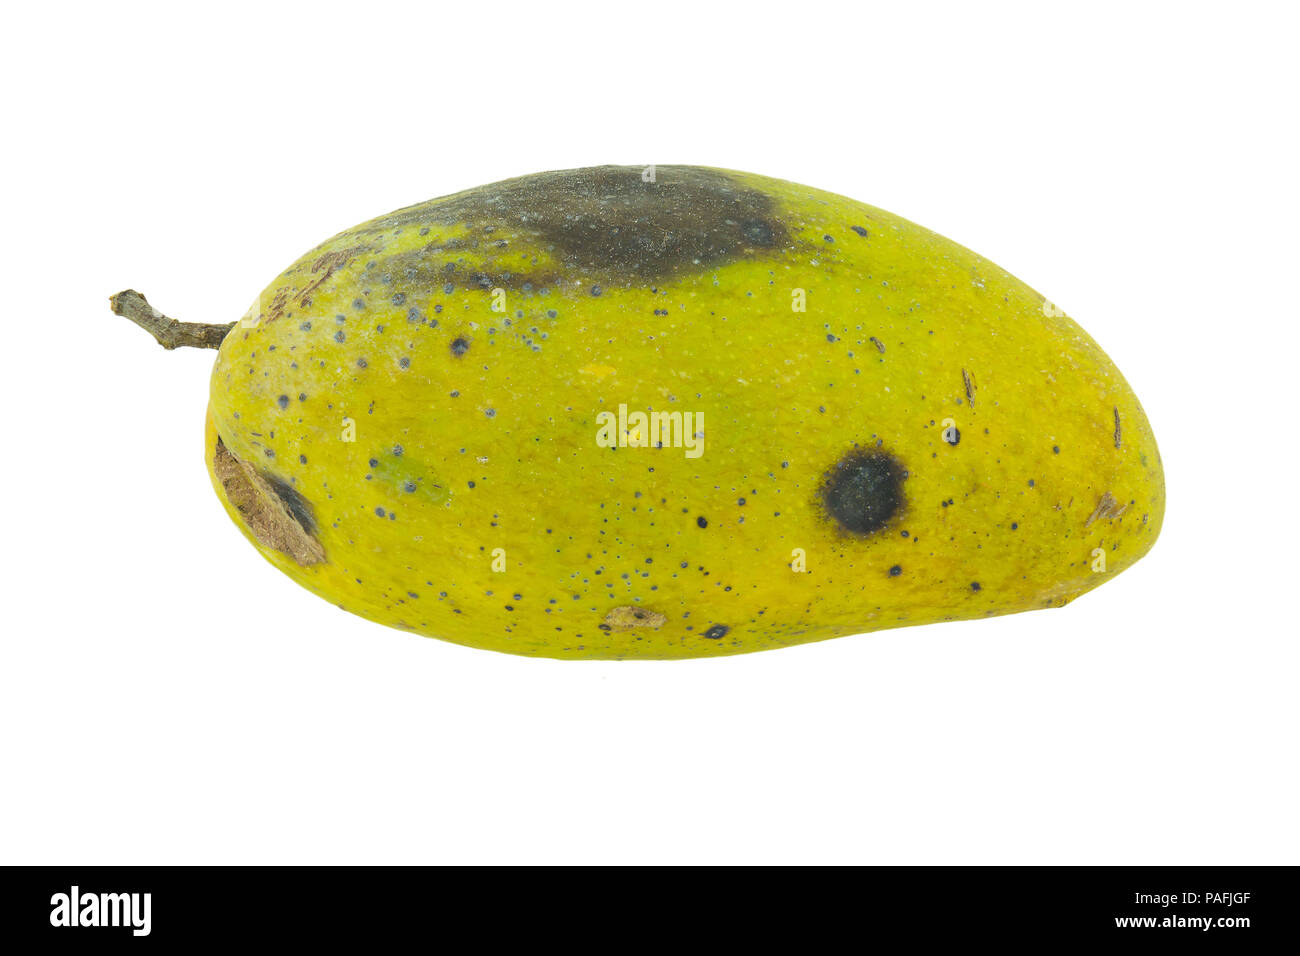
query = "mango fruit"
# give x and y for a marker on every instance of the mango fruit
(672, 412)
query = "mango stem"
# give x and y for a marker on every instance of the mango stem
(169, 332)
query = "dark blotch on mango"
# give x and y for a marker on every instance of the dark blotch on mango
(863, 491)
(605, 222)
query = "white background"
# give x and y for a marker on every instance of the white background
(167, 696)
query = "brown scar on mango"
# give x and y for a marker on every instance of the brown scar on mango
(275, 516)
(330, 262)
(1107, 507)
(627, 617)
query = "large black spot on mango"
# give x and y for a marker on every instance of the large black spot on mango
(863, 491)
(604, 223)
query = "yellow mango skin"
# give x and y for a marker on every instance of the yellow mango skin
(1056, 463)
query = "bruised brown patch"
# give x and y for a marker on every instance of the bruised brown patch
(628, 617)
(276, 515)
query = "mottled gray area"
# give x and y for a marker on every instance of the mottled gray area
(604, 223)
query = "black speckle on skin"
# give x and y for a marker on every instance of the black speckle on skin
(974, 585)
(895, 571)
(860, 231)
(863, 491)
(702, 521)
(380, 512)
(605, 222)
(283, 401)
(1056, 449)
(339, 336)
(459, 347)
(717, 632)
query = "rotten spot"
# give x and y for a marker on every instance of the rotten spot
(1107, 507)
(602, 222)
(863, 491)
(627, 617)
(273, 511)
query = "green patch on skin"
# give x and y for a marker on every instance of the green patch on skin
(407, 480)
